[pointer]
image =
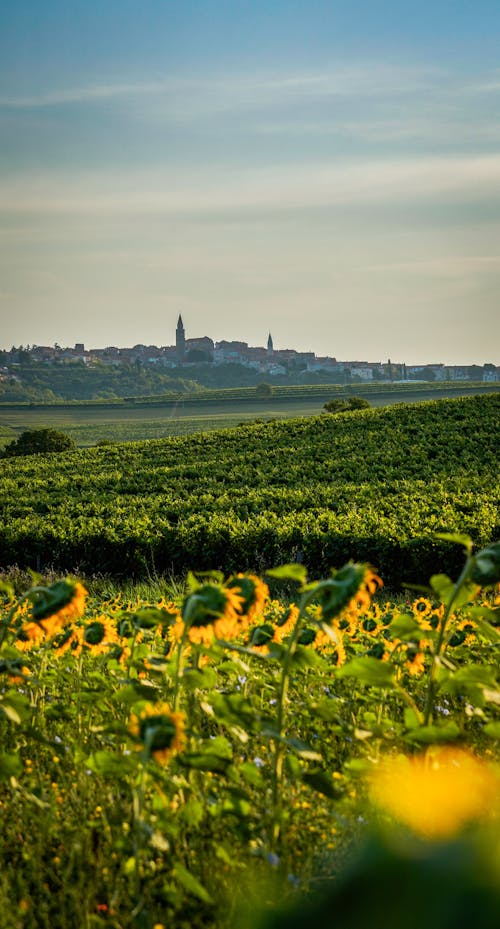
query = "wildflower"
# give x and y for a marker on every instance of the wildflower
(158, 730)
(436, 794)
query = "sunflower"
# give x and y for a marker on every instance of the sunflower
(158, 731)
(436, 794)
(70, 639)
(58, 605)
(415, 661)
(421, 607)
(29, 637)
(361, 601)
(255, 595)
(210, 611)
(99, 635)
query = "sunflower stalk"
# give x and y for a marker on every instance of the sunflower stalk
(441, 642)
(279, 747)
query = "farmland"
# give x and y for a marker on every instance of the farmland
(196, 750)
(376, 485)
(180, 414)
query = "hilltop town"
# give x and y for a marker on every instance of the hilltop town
(187, 354)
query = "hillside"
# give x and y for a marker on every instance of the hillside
(374, 485)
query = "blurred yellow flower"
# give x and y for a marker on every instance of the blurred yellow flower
(56, 606)
(436, 794)
(158, 730)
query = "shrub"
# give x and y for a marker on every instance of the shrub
(345, 405)
(38, 442)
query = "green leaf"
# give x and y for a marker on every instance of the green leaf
(486, 569)
(199, 678)
(493, 730)
(289, 572)
(10, 712)
(237, 804)
(303, 750)
(212, 755)
(147, 617)
(190, 883)
(304, 657)
(370, 671)
(10, 766)
(411, 718)
(326, 709)
(334, 594)
(111, 764)
(444, 588)
(427, 735)
(132, 693)
(457, 538)
(405, 627)
(251, 774)
(192, 812)
(322, 783)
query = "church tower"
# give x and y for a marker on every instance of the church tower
(270, 347)
(180, 339)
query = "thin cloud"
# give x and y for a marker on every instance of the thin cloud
(234, 91)
(279, 188)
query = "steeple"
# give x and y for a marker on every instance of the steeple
(180, 338)
(270, 348)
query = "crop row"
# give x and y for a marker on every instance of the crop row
(376, 485)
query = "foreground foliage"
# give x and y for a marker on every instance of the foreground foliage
(163, 762)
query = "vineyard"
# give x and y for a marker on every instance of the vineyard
(247, 747)
(376, 485)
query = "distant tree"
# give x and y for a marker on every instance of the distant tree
(38, 442)
(263, 391)
(346, 405)
(358, 403)
(336, 406)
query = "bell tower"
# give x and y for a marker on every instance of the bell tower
(180, 339)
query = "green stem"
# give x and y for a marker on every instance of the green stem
(440, 644)
(278, 745)
(178, 668)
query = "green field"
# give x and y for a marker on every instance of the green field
(121, 421)
(375, 484)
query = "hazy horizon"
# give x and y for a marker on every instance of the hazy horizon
(326, 171)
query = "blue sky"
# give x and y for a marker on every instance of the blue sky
(326, 170)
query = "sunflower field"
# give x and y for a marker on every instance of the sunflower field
(247, 751)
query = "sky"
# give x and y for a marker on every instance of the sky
(325, 171)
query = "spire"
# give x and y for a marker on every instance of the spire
(270, 344)
(180, 338)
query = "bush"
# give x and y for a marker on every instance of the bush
(38, 442)
(346, 405)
